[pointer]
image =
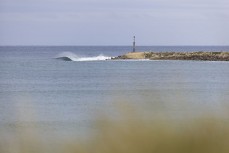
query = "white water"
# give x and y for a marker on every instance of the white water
(74, 57)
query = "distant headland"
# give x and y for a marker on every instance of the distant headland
(198, 56)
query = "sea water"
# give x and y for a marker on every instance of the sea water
(39, 91)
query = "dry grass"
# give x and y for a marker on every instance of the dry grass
(204, 135)
(133, 134)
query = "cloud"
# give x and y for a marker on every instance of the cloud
(170, 20)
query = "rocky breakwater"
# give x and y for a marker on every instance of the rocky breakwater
(199, 56)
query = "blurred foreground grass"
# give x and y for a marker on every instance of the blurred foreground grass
(133, 134)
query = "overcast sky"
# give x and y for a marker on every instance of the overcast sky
(114, 22)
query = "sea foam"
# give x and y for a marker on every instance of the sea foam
(69, 56)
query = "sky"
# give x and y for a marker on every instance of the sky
(114, 22)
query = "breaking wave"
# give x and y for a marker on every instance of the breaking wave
(68, 56)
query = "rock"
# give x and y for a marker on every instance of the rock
(201, 56)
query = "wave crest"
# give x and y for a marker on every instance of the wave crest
(69, 56)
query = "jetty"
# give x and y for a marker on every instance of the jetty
(198, 56)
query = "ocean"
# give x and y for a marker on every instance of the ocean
(61, 97)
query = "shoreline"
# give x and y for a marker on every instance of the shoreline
(194, 56)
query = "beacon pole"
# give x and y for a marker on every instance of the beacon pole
(134, 45)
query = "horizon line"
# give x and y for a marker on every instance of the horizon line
(109, 45)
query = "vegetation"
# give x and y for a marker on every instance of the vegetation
(132, 134)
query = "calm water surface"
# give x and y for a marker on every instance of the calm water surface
(37, 90)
